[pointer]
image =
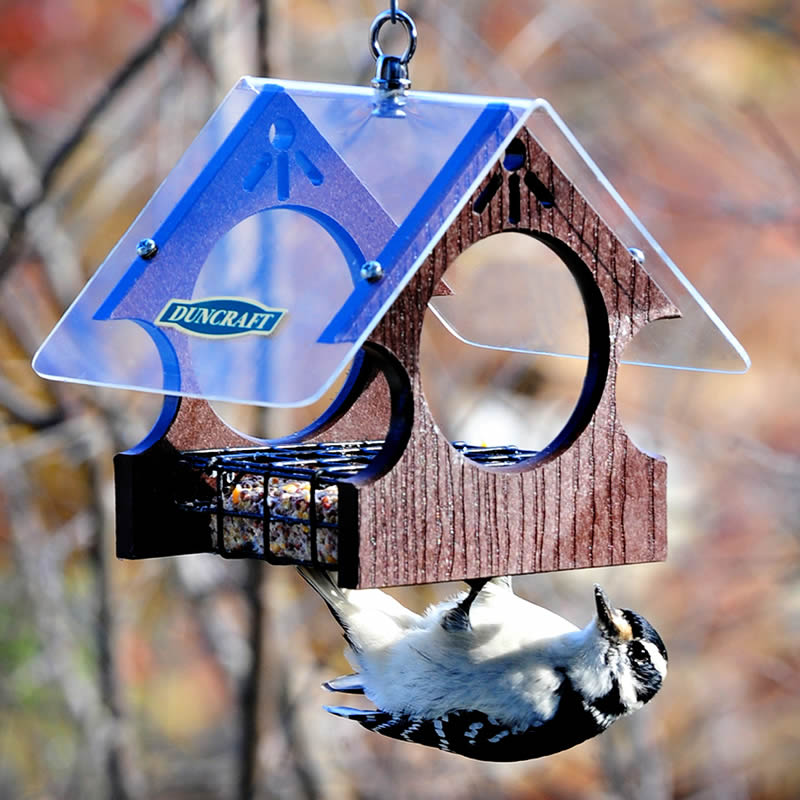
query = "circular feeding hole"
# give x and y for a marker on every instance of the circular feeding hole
(489, 364)
(273, 265)
(364, 422)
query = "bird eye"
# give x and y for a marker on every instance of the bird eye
(638, 652)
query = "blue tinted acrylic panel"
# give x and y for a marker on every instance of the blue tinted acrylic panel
(255, 293)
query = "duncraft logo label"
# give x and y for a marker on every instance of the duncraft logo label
(220, 317)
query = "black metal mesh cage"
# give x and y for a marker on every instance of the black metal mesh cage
(293, 504)
(287, 504)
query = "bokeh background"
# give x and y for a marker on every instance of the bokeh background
(199, 678)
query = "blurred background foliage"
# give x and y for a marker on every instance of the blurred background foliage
(199, 678)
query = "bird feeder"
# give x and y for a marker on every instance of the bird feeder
(308, 228)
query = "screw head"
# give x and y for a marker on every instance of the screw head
(372, 271)
(638, 255)
(146, 248)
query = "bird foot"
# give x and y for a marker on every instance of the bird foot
(457, 619)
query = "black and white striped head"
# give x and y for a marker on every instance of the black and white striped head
(633, 652)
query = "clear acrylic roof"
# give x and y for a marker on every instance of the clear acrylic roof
(254, 291)
(697, 340)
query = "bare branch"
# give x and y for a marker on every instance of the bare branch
(123, 77)
(249, 687)
(262, 37)
(41, 224)
(26, 410)
(124, 782)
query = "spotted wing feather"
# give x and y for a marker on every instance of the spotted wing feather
(476, 735)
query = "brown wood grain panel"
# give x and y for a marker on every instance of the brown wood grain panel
(438, 516)
(197, 427)
(600, 502)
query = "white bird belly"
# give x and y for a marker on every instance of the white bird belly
(503, 670)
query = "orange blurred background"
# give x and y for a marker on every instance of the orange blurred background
(125, 679)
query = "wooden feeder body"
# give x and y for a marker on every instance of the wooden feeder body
(591, 498)
(419, 510)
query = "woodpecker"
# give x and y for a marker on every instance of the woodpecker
(488, 674)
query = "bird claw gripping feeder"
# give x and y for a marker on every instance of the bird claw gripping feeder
(308, 227)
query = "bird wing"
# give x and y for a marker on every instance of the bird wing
(477, 735)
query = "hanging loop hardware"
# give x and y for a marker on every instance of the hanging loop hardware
(393, 15)
(391, 81)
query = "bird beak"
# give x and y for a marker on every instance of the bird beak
(609, 620)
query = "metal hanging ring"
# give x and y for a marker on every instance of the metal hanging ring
(380, 21)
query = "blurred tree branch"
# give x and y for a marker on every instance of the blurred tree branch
(23, 180)
(96, 708)
(124, 781)
(42, 569)
(262, 37)
(39, 190)
(249, 686)
(25, 410)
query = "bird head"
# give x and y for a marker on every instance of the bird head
(633, 651)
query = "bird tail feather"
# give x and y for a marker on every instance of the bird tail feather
(369, 617)
(358, 714)
(335, 598)
(349, 684)
(324, 585)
